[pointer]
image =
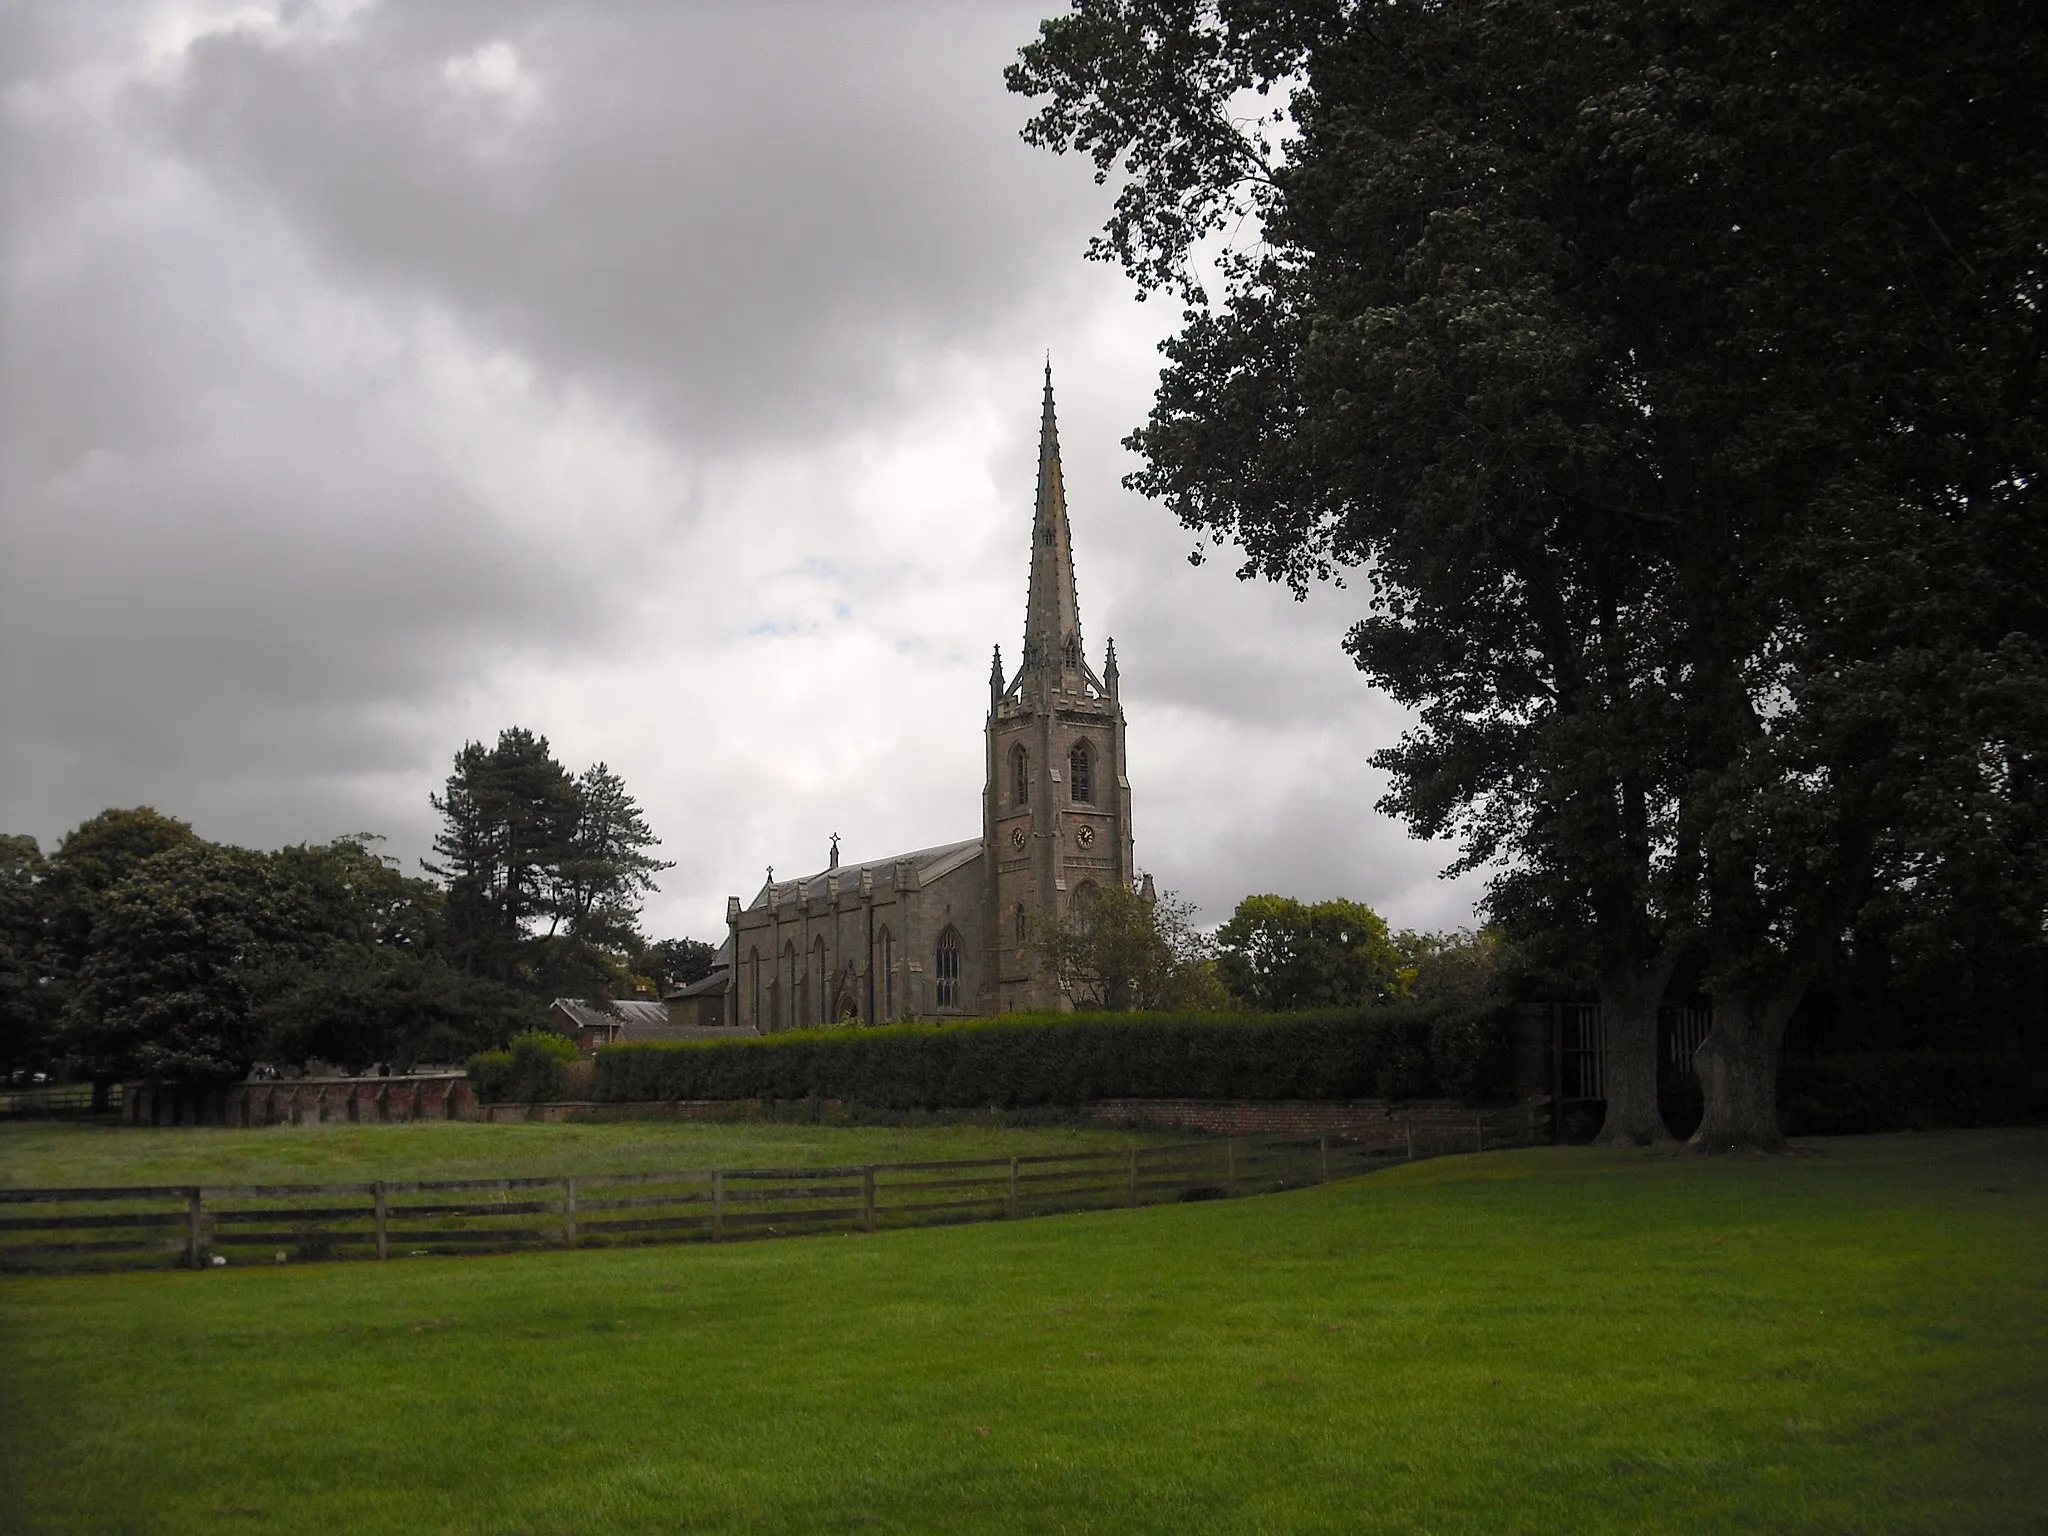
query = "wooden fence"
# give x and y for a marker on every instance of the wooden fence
(70, 1101)
(52, 1230)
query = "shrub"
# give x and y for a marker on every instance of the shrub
(530, 1072)
(1403, 1051)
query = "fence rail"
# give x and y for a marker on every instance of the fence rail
(160, 1226)
(64, 1102)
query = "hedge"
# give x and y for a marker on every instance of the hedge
(532, 1071)
(1909, 1091)
(1404, 1051)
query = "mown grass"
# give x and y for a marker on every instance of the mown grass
(43, 1153)
(1558, 1340)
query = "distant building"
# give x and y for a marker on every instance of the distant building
(595, 1022)
(941, 932)
(701, 1004)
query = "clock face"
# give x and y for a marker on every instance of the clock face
(1085, 837)
(1017, 838)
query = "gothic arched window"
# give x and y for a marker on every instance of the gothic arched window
(822, 1005)
(1081, 774)
(949, 969)
(1020, 776)
(1078, 905)
(888, 974)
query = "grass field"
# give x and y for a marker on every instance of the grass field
(57, 1152)
(1852, 1340)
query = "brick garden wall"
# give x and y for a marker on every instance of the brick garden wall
(303, 1101)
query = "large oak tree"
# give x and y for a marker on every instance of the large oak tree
(1673, 373)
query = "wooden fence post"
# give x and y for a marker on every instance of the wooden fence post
(193, 1231)
(383, 1220)
(717, 1205)
(1323, 1151)
(569, 1212)
(867, 1197)
(1013, 1189)
(1134, 1176)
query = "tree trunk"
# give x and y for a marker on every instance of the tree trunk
(1630, 993)
(1738, 1066)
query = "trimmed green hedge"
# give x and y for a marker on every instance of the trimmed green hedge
(1406, 1051)
(531, 1072)
(1909, 1091)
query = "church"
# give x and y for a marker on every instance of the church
(941, 932)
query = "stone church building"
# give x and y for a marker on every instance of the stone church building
(941, 932)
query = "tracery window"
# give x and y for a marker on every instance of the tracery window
(949, 969)
(1078, 904)
(1081, 774)
(1020, 777)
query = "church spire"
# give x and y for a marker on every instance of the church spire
(1052, 617)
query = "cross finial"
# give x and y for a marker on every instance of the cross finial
(771, 874)
(835, 852)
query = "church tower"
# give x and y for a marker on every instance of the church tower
(1056, 812)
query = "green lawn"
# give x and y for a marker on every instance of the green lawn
(56, 1152)
(1854, 1340)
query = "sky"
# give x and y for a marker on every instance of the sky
(662, 378)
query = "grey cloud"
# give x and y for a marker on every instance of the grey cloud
(752, 216)
(253, 571)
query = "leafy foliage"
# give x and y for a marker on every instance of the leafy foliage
(1675, 371)
(531, 1071)
(140, 948)
(545, 872)
(675, 962)
(1461, 966)
(1279, 953)
(183, 949)
(1125, 947)
(29, 1002)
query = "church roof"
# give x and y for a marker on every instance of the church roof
(931, 864)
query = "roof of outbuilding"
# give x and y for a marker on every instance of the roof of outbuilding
(631, 1017)
(931, 864)
(706, 985)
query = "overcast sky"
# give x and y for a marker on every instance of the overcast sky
(663, 378)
